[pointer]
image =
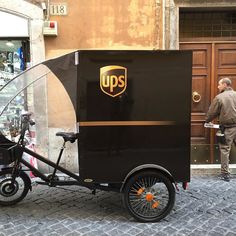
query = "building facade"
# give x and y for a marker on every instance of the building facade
(208, 27)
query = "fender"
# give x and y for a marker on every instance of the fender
(28, 179)
(145, 167)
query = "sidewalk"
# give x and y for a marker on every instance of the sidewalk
(208, 207)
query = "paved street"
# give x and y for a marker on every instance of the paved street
(208, 207)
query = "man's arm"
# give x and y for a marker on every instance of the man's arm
(214, 110)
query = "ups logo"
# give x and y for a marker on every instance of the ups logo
(113, 80)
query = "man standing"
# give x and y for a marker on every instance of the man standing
(224, 107)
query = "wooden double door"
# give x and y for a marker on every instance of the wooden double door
(211, 62)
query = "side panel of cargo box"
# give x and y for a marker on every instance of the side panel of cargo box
(133, 109)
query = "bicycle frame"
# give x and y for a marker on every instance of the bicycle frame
(53, 183)
(51, 164)
(21, 146)
(48, 180)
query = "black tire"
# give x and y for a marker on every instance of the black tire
(12, 193)
(149, 196)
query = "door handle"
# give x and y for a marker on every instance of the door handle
(196, 97)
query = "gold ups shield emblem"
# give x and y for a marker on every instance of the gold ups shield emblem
(113, 80)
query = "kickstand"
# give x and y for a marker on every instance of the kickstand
(94, 191)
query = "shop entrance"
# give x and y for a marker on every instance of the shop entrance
(212, 39)
(14, 58)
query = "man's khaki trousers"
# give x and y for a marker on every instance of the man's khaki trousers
(230, 136)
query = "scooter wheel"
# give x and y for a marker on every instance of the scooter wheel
(149, 196)
(11, 191)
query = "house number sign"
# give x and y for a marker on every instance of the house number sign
(58, 9)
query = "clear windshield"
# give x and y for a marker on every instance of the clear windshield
(14, 87)
(48, 91)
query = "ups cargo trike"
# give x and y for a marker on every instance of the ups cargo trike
(132, 128)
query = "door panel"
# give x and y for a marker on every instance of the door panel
(201, 87)
(225, 61)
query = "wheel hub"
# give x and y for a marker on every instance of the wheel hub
(7, 188)
(149, 197)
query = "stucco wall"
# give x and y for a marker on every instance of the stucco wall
(108, 24)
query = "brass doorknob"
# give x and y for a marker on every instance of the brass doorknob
(196, 97)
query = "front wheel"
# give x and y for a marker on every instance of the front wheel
(149, 196)
(11, 191)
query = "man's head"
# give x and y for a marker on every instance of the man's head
(224, 83)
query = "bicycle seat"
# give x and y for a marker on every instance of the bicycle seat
(68, 136)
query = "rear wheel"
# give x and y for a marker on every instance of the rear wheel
(11, 191)
(149, 196)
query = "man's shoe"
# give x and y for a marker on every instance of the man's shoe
(225, 177)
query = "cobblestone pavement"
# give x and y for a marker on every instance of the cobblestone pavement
(208, 207)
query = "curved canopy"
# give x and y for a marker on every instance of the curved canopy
(64, 68)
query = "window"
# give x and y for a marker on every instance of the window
(207, 24)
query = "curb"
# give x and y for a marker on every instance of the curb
(209, 169)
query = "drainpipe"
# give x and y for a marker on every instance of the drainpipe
(48, 9)
(163, 23)
(159, 35)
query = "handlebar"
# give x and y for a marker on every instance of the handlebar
(26, 118)
(26, 121)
